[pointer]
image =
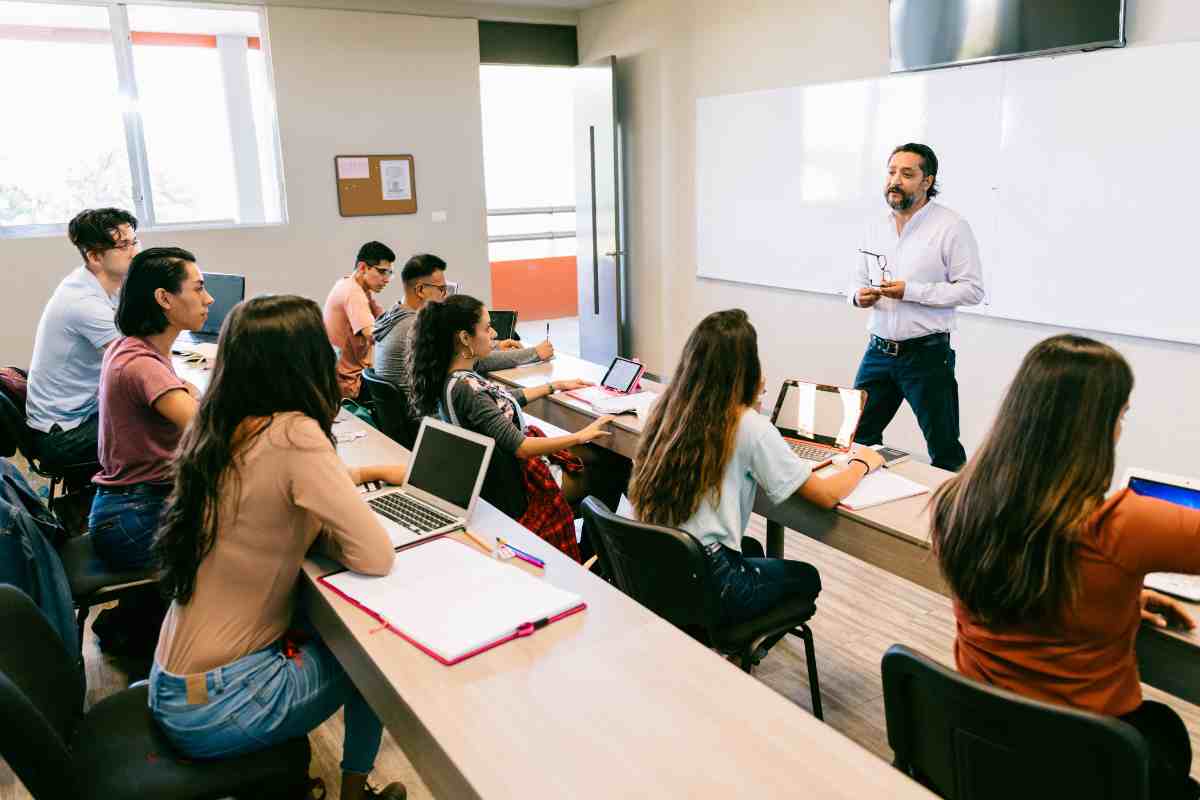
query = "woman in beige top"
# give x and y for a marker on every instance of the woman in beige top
(257, 482)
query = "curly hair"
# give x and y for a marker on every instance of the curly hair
(433, 346)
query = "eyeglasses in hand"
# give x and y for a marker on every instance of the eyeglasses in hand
(885, 275)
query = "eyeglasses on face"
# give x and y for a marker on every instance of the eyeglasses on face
(440, 288)
(125, 244)
(384, 271)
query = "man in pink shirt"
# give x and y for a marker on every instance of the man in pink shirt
(350, 312)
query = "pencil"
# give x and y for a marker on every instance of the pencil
(478, 541)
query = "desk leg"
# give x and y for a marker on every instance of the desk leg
(774, 539)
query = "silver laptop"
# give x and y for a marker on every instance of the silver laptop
(1173, 489)
(818, 421)
(441, 488)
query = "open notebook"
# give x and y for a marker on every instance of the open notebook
(882, 487)
(453, 602)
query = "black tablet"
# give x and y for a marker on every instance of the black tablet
(504, 323)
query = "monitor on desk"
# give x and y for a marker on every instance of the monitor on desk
(1182, 492)
(227, 291)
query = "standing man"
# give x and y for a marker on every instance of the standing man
(350, 312)
(77, 325)
(918, 263)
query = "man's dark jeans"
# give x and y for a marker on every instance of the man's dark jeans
(924, 376)
(64, 452)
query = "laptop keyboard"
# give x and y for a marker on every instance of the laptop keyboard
(810, 452)
(403, 510)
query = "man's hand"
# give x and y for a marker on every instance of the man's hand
(545, 350)
(1163, 611)
(508, 344)
(866, 297)
(893, 289)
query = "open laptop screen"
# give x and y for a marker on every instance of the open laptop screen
(227, 291)
(825, 414)
(1179, 495)
(446, 466)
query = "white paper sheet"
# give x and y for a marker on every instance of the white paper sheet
(882, 487)
(396, 180)
(353, 168)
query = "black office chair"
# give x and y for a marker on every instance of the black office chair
(92, 582)
(667, 571)
(14, 430)
(392, 410)
(969, 741)
(115, 750)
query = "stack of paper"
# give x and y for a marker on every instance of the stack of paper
(201, 354)
(882, 487)
(638, 402)
(452, 601)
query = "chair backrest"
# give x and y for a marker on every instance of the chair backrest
(14, 433)
(392, 410)
(41, 697)
(662, 568)
(969, 741)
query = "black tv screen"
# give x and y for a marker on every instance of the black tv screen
(941, 33)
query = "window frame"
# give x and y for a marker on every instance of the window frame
(237, 96)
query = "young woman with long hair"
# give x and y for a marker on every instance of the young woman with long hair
(1046, 573)
(448, 340)
(256, 482)
(704, 452)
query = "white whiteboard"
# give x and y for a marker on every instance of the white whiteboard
(1077, 174)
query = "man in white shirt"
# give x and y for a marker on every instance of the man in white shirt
(76, 327)
(917, 264)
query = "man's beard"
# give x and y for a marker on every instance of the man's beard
(903, 204)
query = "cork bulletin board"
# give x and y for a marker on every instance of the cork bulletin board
(375, 185)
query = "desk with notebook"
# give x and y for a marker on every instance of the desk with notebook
(584, 707)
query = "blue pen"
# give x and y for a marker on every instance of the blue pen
(526, 556)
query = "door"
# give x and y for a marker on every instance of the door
(599, 209)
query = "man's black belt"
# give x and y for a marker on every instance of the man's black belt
(894, 348)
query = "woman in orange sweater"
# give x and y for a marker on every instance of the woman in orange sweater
(1047, 573)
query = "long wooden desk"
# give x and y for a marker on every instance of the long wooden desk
(613, 702)
(893, 536)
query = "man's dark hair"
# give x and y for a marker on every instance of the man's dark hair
(421, 266)
(372, 253)
(92, 229)
(138, 312)
(929, 162)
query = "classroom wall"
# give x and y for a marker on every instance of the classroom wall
(368, 83)
(673, 51)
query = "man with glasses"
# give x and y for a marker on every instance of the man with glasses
(919, 262)
(424, 279)
(77, 325)
(350, 312)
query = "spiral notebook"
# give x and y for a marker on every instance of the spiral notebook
(453, 602)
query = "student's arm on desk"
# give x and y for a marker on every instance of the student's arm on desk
(388, 473)
(534, 446)
(827, 492)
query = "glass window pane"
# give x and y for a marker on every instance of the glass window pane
(71, 154)
(262, 95)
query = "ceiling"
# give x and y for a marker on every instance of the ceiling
(577, 5)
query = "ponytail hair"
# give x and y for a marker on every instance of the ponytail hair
(434, 343)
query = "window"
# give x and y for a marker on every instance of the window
(166, 111)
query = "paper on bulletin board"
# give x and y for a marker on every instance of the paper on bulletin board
(396, 180)
(352, 168)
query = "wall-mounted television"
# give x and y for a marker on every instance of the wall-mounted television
(940, 33)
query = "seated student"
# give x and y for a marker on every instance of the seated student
(350, 312)
(75, 328)
(704, 452)
(449, 339)
(257, 482)
(1046, 573)
(144, 407)
(424, 278)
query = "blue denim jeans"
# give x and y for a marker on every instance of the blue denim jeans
(122, 525)
(261, 700)
(750, 587)
(924, 376)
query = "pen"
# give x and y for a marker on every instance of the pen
(547, 331)
(521, 554)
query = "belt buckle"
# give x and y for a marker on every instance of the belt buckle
(887, 346)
